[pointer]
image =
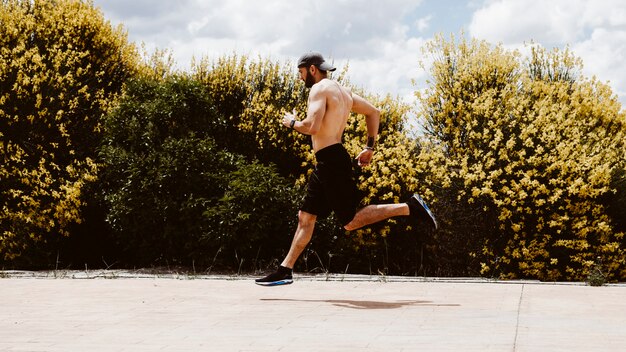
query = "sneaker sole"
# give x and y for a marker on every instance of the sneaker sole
(275, 283)
(426, 208)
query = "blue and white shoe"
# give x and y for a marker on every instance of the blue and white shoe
(420, 209)
(282, 276)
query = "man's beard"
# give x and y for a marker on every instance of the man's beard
(309, 80)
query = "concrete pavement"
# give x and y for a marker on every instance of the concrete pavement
(129, 312)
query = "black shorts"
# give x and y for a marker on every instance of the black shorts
(331, 185)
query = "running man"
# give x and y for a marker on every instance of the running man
(331, 186)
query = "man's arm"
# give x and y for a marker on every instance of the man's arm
(315, 114)
(372, 119)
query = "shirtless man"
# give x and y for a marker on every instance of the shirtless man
(331, 186)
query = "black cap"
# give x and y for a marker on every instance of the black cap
(313, 58)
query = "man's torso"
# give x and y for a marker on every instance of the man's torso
(338, 106)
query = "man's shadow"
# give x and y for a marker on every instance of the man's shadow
(365, 304)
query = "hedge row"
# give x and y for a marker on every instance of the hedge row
(114, 160)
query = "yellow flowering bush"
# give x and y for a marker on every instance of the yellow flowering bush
(252, 96)
(522, 155)
(60, 64)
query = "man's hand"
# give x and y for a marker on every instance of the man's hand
(365, 157)
(288, 118)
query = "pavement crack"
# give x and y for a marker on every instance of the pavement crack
(519, 308)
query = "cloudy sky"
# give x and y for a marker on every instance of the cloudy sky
(381, 40)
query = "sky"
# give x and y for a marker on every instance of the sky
(380, 41)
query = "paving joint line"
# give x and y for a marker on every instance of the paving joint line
(519, 308)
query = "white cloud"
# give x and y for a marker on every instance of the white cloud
(423, 23)
(594, 30)
(604, 54)
(555, 21)
(392, 71)
(381, 40)
(369, 35)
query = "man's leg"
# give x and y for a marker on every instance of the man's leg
(375, 213)
(302, 237)
(284, 274)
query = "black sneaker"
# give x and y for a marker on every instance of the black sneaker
(282, 276)
(420, 209)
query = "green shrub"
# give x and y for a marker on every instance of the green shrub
(253, 222)
(173, 195)
(158, 163)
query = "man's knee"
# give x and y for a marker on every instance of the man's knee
(306, 219)
(351, 226)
